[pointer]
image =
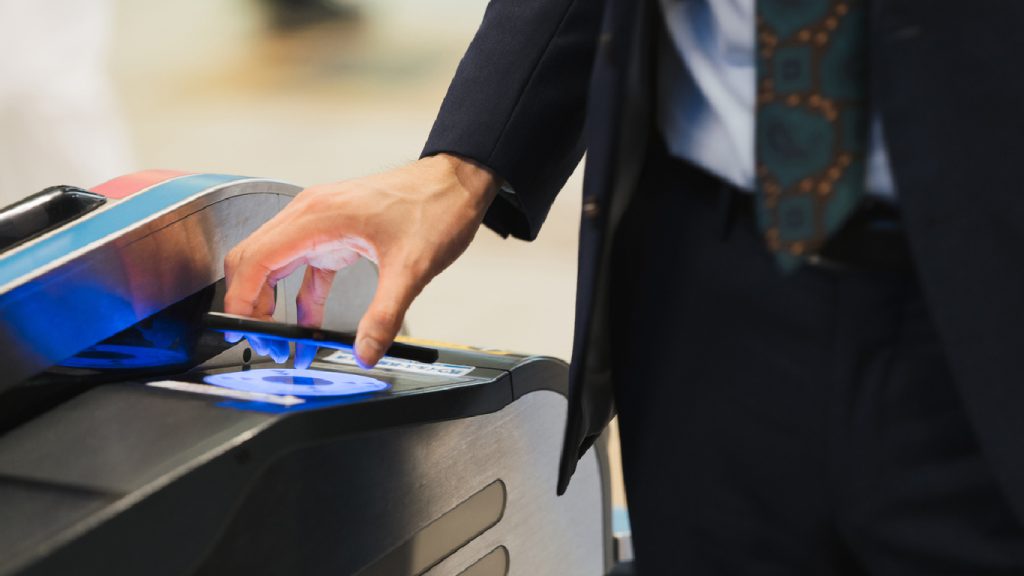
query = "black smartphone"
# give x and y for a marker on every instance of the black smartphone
(221, 322)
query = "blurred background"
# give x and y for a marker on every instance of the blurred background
(306, 91)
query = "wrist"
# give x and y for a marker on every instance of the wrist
(479, 181)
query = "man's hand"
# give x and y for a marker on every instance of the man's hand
(413, 222)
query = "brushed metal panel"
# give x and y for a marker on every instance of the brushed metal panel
(494, 564)
(543, 533)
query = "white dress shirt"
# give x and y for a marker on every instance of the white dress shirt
(707, 92)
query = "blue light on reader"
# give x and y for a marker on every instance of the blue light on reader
(303, 383)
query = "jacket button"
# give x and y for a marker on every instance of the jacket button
(591, 209)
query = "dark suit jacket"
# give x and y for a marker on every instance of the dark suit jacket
(545, 79)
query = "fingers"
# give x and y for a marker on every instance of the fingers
(258, 263)
(264, 310)
(278, 350)
(383, 319)
(316, 286)
(304, 355)
(252, 270)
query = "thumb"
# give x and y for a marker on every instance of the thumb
(383, 319)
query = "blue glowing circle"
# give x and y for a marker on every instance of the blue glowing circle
(124, 357)
(297, 382)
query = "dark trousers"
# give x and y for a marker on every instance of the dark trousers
(786, 424)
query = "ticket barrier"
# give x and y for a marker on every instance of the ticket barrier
(133, 441)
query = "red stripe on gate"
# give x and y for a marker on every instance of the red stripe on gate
(124, 186)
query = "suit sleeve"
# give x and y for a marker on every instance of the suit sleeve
(518, 101)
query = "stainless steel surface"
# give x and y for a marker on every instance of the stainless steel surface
(544, 534)
(494, 564)
(67, 305)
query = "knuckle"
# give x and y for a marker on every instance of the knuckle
(317, 189)
(315, 202)
(321, 200)
(307, 193)
(232, 258)
(312, 301)
(241, 253)
(319, 195)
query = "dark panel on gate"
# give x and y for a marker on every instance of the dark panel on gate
(444, 536)
(33, 513)
(338, 507)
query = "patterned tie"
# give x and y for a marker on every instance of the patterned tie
(811, 121)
